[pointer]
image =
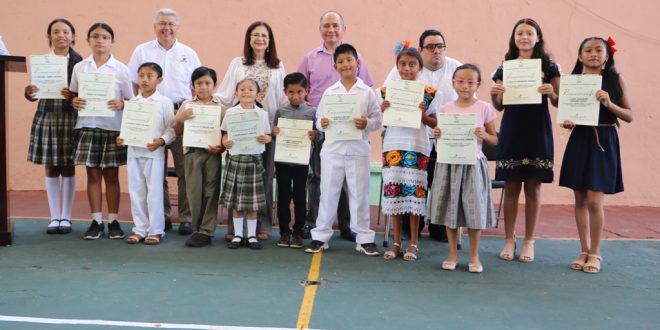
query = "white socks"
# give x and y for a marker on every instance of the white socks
(252, 230)
(98, 217)
(68, 192)
(53, 193)
(238, 229)
(112, 217)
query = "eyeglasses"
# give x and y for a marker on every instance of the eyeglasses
(432, 47)
(469, 82)
(166, 24)
(259, 35)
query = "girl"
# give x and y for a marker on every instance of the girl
(592, 161)
(462, 195)
(243, 188)
(95, 137)
(51, 138)
(405, 161)
(525, 153)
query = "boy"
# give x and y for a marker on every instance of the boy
(202, 166)
(146, 164)
(295, 88)
(347, 159)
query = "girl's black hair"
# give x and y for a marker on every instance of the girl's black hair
(412, 52)
(539, 47)
(468, 66)
(251, 80)
(609, 73)
(152, 66)
(101, 26)
(204, 71)
(74, 57)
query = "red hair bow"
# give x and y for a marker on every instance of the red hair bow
(611, 42)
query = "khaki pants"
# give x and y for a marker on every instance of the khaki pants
(203, 189)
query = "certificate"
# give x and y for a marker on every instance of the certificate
(137, 124)
(243, 127)
(341, 109)
(292, 144)
(48, 73)
(404, 97)
(202, 130)
(522, 79)
(97, 89)
(577, 99)
(457, 144)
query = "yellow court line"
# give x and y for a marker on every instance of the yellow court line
(307, 305)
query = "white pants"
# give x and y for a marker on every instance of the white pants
(334, 168)
(145, 187)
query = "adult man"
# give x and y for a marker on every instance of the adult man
(178, 62)
(437, 72)
(317, 66)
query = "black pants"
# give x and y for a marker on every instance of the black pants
(291, 177)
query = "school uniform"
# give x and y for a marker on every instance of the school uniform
(95, 137)
(347, 160)
(146, 171)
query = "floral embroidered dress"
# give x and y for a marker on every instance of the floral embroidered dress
(405, 162)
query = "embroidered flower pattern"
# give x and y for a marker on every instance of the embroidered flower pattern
(409, 158)
(393, 158)
(513, 163)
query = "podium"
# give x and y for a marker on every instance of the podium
(7, 64)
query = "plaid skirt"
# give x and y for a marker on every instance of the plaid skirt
(243, 185)
(461, 196)
(52, 135)
(97, 147)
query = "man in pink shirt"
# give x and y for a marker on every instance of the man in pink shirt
(317, 66)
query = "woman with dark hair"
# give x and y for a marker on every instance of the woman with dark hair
(51, 137)
(261, 64)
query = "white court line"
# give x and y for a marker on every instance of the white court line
(8, 318)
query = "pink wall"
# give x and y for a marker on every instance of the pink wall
(476, 31)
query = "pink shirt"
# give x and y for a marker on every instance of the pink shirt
(317, 66)
(484, 111)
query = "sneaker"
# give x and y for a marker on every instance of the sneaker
(114, 230)
(198, 240)
(316, 247)
(283, 241)
(296, 242)
(53, 227)
(369, 249)
(95, 231)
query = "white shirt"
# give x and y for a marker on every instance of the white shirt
(178, 64)
(275, 97)
(3, 48)
(123, 90)
(262, 113)
(163, 126)
(369, 107)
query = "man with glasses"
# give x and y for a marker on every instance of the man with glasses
(178, 62)
(437, 72)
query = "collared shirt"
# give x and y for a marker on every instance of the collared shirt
(177, 63)
(214, 101)
(369, 108)
(163, 126)
(123, 90)
(318, 68)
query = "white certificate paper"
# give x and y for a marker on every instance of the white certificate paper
(137, 124)
(202, 130)
(577, 99)
(341, 109)
(243, 127)
(292, 144)
(457, 144)
(48, 73)
(97, 89)
(522, 79)
(405, 97)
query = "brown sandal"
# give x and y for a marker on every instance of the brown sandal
(152, 240)
(134, 239)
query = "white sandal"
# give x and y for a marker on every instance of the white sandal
(391, 254)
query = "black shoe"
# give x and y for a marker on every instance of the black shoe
(95, 231)
(347, 234)
(198, 240)
(253, 243)
(53, 229)
(168, 224)
(307, 231)
(316, 246)
(64, 229)
(296, 242)
(369, 249)
(284, 241)
(185, 228)
(114, 230)
(234, 243)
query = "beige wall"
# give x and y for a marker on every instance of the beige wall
(476, 31)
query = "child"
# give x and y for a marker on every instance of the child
(243, 187)
(525, 152)
(405, 161)
(146, 166)
(295, 88)
(51, 138)
(592, 160)
(461, 194)
(95, 142)
(202, 166)
(347, 159)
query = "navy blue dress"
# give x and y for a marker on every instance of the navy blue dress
(592, 160)
(525, 146)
